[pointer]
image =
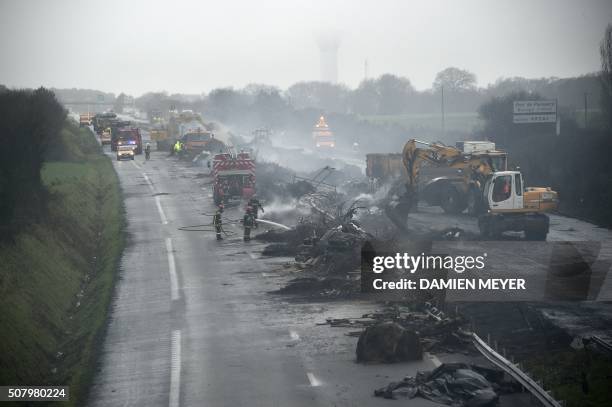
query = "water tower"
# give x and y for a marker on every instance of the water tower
(328, 43)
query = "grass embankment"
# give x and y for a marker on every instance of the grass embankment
(581, 378)
(56, 278)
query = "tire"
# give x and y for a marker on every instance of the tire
(452, 202)
(132, 158)
(484, 227)
(535, 234)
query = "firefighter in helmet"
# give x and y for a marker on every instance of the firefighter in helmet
(248, 222)
(255, 206)
(218, 222)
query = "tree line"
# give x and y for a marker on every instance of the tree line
(30, 125)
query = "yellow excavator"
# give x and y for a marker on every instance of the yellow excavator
(482, 184)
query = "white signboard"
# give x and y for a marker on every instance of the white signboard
(535, 118)
(535, 106)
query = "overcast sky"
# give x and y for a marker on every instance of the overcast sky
(194, 46)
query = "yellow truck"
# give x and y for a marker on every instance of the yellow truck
(86, 119)
(160, 137)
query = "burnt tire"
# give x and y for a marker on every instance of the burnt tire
(452, 201)
(535, 234)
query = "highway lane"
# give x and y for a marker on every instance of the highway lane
(192, 322)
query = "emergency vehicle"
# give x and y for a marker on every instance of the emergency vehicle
(233, 177)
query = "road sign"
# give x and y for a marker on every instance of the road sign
(534, 118)
(535, 106)
(535, 111)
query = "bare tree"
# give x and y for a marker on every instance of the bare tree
(455, 80)
(605, 50)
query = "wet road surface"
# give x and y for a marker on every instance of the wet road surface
(192, 323)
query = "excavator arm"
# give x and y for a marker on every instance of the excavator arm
(404, 196)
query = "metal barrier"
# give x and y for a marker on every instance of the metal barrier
(510, 368)
(603, 344)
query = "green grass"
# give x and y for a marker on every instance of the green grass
(464, 122)
(56, 279)
(562, 372)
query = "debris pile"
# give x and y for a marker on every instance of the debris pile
(396, 329)
(455, 384)
(388, 342)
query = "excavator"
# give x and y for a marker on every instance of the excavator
(483, 185)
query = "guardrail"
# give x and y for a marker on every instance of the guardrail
(603, 344)
(513, 370)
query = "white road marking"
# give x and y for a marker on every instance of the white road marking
(434, 359)
(136, 165)
(172, 270)
(146, 177)
(162, 215)
(314, 382)
(252, 256)
(294, 335)
(175, 370)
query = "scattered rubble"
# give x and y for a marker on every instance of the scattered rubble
(389, 342)
(455, 384)
(436, 330)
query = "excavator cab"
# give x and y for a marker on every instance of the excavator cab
(504, 191)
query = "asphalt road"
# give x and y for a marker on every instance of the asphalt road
(193, 324)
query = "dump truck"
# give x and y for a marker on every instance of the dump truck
(385, 167)
(497, 196)
(160, 137)
(233, 177)
(197, 141)
(180, 124)
(85, 119)
(102, 121)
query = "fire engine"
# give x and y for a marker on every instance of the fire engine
(233, 177)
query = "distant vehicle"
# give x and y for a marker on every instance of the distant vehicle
(160, 137)
(85, 119)
(180, 124)
(125, 152)
(103, 120)
(198, 141)
(322, 136)
(155, 117)
(127, 136)
(105, 136)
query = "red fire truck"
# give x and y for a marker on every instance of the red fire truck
(233, 177)
(127, 136)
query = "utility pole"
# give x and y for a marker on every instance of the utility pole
(442, 106)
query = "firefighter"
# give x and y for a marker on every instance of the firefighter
(255, 207)
(218, 222)
(177, 147)
(247, 223)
